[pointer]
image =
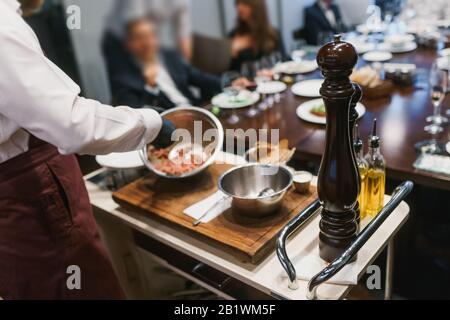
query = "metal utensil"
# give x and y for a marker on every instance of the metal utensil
(264, 193)
(193, 120)
(240, 184)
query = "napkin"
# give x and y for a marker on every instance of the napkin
(433, 163)
(215, 204)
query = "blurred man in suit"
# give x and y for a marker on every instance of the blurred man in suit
(171, 18)
(155, 77)
(322, 17)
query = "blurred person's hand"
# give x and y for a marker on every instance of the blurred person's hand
(150, 74)
(242, 83)
(267, 73)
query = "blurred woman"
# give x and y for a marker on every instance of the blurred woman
(253, 37)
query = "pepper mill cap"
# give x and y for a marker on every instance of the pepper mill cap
(337, 55)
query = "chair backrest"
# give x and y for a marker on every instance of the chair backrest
(212, 55)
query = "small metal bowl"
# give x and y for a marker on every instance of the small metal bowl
(211, 136)
(244, 185)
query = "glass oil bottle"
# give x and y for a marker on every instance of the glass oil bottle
(363, 168)
(376, 176)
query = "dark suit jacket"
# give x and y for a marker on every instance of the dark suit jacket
(316, 22)
(128, 83)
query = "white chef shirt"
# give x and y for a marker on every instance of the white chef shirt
(37, 97)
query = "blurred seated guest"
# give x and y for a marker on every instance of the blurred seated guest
(253, 37)
(156, 77)
(389, 7)
(320, 18)
(426, 10)
(171, 18)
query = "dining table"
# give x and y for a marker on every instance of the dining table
(401, 119)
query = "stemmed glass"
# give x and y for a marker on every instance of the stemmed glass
(232, 92)
(438, 87)
(249, 70)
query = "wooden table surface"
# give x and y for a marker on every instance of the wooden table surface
(402, 118)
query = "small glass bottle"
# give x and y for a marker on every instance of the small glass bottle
(363, 168)
(376, 176)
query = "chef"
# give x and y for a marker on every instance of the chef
(49, 242)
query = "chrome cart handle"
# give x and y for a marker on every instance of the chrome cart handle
(292, 226)
(397, 197)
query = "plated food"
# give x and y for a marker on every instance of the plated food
(243, 99)
(312, 111)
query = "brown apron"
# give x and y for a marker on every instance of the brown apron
(46, 227)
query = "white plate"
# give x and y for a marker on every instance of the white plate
(444, 63)
(447, 147)
(363, 28)
(304, 111)
(363, 47)
(121, 161)
(445, 52)
(408, 47)
(377, 56)
(224, 101)
(308, 88)
(293, 67)
(271, 87)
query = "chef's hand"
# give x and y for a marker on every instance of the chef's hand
(164, 138)
(150, 74)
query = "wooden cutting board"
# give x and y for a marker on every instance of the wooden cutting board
(249, 239)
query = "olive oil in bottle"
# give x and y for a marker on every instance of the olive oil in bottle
(363, 168)
(376, 176)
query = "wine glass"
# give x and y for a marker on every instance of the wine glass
(439, 85)
(297, 50)
(250, 70)
(438, 82)
(324, 37)
(232, 92)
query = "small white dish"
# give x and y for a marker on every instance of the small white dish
(445, 52)
(304, 111)
(294, 67)
(443, 63)
(407, 47)
(245, 99)
(121, 161)
(377, 56)
(308, 88)
(271, 87)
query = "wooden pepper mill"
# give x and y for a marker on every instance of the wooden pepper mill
(354, 115)
(338, 184)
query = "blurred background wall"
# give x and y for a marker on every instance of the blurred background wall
(212, 18)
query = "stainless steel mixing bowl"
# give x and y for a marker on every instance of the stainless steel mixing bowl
(203, 129)
(245, 184)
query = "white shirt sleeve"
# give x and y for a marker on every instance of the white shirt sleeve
(41, 99)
